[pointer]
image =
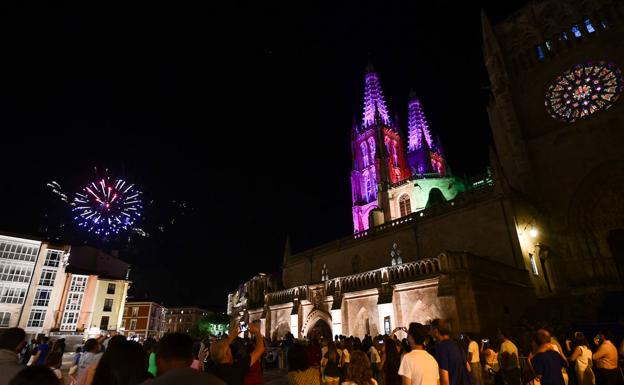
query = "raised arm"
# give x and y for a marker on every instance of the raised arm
(259, 348)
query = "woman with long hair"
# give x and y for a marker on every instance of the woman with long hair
(123, 363)
(331, 361)
(360, 372)
(582, 355)
(54, 360)
(390, 369)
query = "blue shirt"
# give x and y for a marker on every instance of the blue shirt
(43, 348)
(548, 365)
(451, 358)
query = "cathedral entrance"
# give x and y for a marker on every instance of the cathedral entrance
(320, 329)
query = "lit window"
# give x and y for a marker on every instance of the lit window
(53, 258)
(576, 31)
(36, 318)
(371, 144)
(133, 323)
(589, 26)
(108, 304)
(533, 264)
(364, 153)
(135, 311)
(42, 297)
(12, 295)
(5, 317)
(47, 277)
(405, 205)
(540, 52)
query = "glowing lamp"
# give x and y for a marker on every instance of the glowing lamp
(533, 233)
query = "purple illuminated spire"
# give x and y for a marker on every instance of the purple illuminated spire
(374, 102)
(417, 126)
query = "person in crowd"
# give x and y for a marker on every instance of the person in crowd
(547, 362)
(474, 360)
(149, 345)
(556, 346)
(299, 370)
(226, 368)
(357, 344)
(27, 351)
(35, 375)
(73, 370)
(196, 350)
(508, 359)
(254, 376)
(315, 354)
(374, 356)
(54, 360)
(606, 359)
(346, 357)
(174, 356)
(87, 375)
(41, 351)
(59, 345)
(417, 366)
(582, 356)
(123, 363)
(91, 355)
(392, 361)
(330, 362)
(12, 340)
(451, 360)
(360, 371)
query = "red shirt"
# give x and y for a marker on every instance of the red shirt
(254, 376)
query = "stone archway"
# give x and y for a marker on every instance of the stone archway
(319, 321)
(320, 329)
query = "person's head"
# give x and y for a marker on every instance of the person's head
(35, 375)
(54, 360)
(298, 358)
(116, 339)
(359, 370)
(221, 353)
(92, 345)
(580, 340)
(332, 352)
(174, 351)
(124, 363)
(13, 339)
(78, 349)
(541, 337)
(149, 344)
(440, 330)
(417, 334)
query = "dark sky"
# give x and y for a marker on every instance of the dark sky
(243, 111)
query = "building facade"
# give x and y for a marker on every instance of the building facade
(544, 223)
(18, 258)
(143, 319)
(183, 319)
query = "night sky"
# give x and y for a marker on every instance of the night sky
(242, 112)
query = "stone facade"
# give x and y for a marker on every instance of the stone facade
(546, 222)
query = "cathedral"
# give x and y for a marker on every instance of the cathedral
(544, 223)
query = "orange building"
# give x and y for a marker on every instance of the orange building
(143, 319)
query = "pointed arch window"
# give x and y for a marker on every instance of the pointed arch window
(405, 205)
(395, 154)
(324, 273)
(371, 144)
(364, 153)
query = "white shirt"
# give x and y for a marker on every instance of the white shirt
(474, 349)
(510, 351)
(420, 367)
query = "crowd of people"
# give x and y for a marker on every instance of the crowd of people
(414, 355)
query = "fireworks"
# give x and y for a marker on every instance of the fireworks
(104, 207)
